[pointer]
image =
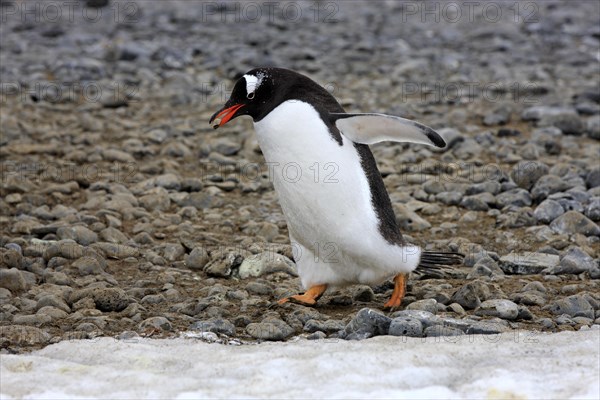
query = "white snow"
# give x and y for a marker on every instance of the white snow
(518, 365)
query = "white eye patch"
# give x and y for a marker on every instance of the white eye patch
(253, 83)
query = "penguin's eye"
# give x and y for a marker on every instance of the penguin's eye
(250, 95)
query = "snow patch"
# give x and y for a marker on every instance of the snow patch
(510, 365)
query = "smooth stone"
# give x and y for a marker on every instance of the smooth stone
(574, 222)
(23, 336)
(406, 326)
(264, 263)
(441, 331)
(155, 323)
(13, 280)
(526, 173)
(487, 328)
(367, 323)
(527, 263)
(425, 317)
(548, 185)
(329, 326)
(429, 305)
(548, 211)
(471, 294)
(270, 329)
(197, 259)
(216, 325)
(574, 261)
(592, 210)
(514, 197)
(575, 306)
(504, 309)
(78, 233)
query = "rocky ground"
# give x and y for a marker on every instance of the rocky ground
(123, 213)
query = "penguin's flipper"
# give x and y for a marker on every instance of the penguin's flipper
(374, 128)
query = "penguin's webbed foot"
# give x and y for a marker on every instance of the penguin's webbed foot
(309, 298)
(398, 293)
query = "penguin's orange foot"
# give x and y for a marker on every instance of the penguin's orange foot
(399, 291)
(309, 298)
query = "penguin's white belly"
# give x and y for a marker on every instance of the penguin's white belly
(326, 199)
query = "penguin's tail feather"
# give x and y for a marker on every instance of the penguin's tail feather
(434, 263)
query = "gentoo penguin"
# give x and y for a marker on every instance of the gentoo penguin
(339, 215)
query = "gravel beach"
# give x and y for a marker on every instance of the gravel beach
(123, 214)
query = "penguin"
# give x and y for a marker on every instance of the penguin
(339, 215)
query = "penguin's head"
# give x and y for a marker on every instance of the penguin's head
(253, 95)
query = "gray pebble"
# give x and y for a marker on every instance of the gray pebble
(270, 329)
(526, 173)
(440, 331)
(11, 258)
(363, 293)
(564, 319)
(114, 250)
(471, 294)
(475, 203)
(13, 280)
(514, 197)
(52, 312)
(22, 336)
(266, 263)
(574, 222)
(547, 185)
(575, 306)
(527, 263)
(574, 261)
(406, 326)
(367, 323)
(197, 259)
(548, 211)
(259, 288)
(155, 323)
(57, 278)
(105, 299)
(425, 317)
(88, 266)
(592, 210)
(173, 251)
(216, 325)
(329, 326)
(54, 301)
(223, 262)
(65, 249)
(485, 266)
(592, 178)
(487, 327)
(32, 319)
(531, 298)
(524, 313)
(316, 335)
(153, 299)
(78, 233)
(504, 309)
(546, 323)
(456, 308)
(429, 305)
(113, 235)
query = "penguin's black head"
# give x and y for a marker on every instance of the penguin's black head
(260, 90)
(252, 94)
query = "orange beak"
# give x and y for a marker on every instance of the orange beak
(221, 117)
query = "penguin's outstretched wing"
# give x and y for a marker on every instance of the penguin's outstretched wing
(374, 128)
